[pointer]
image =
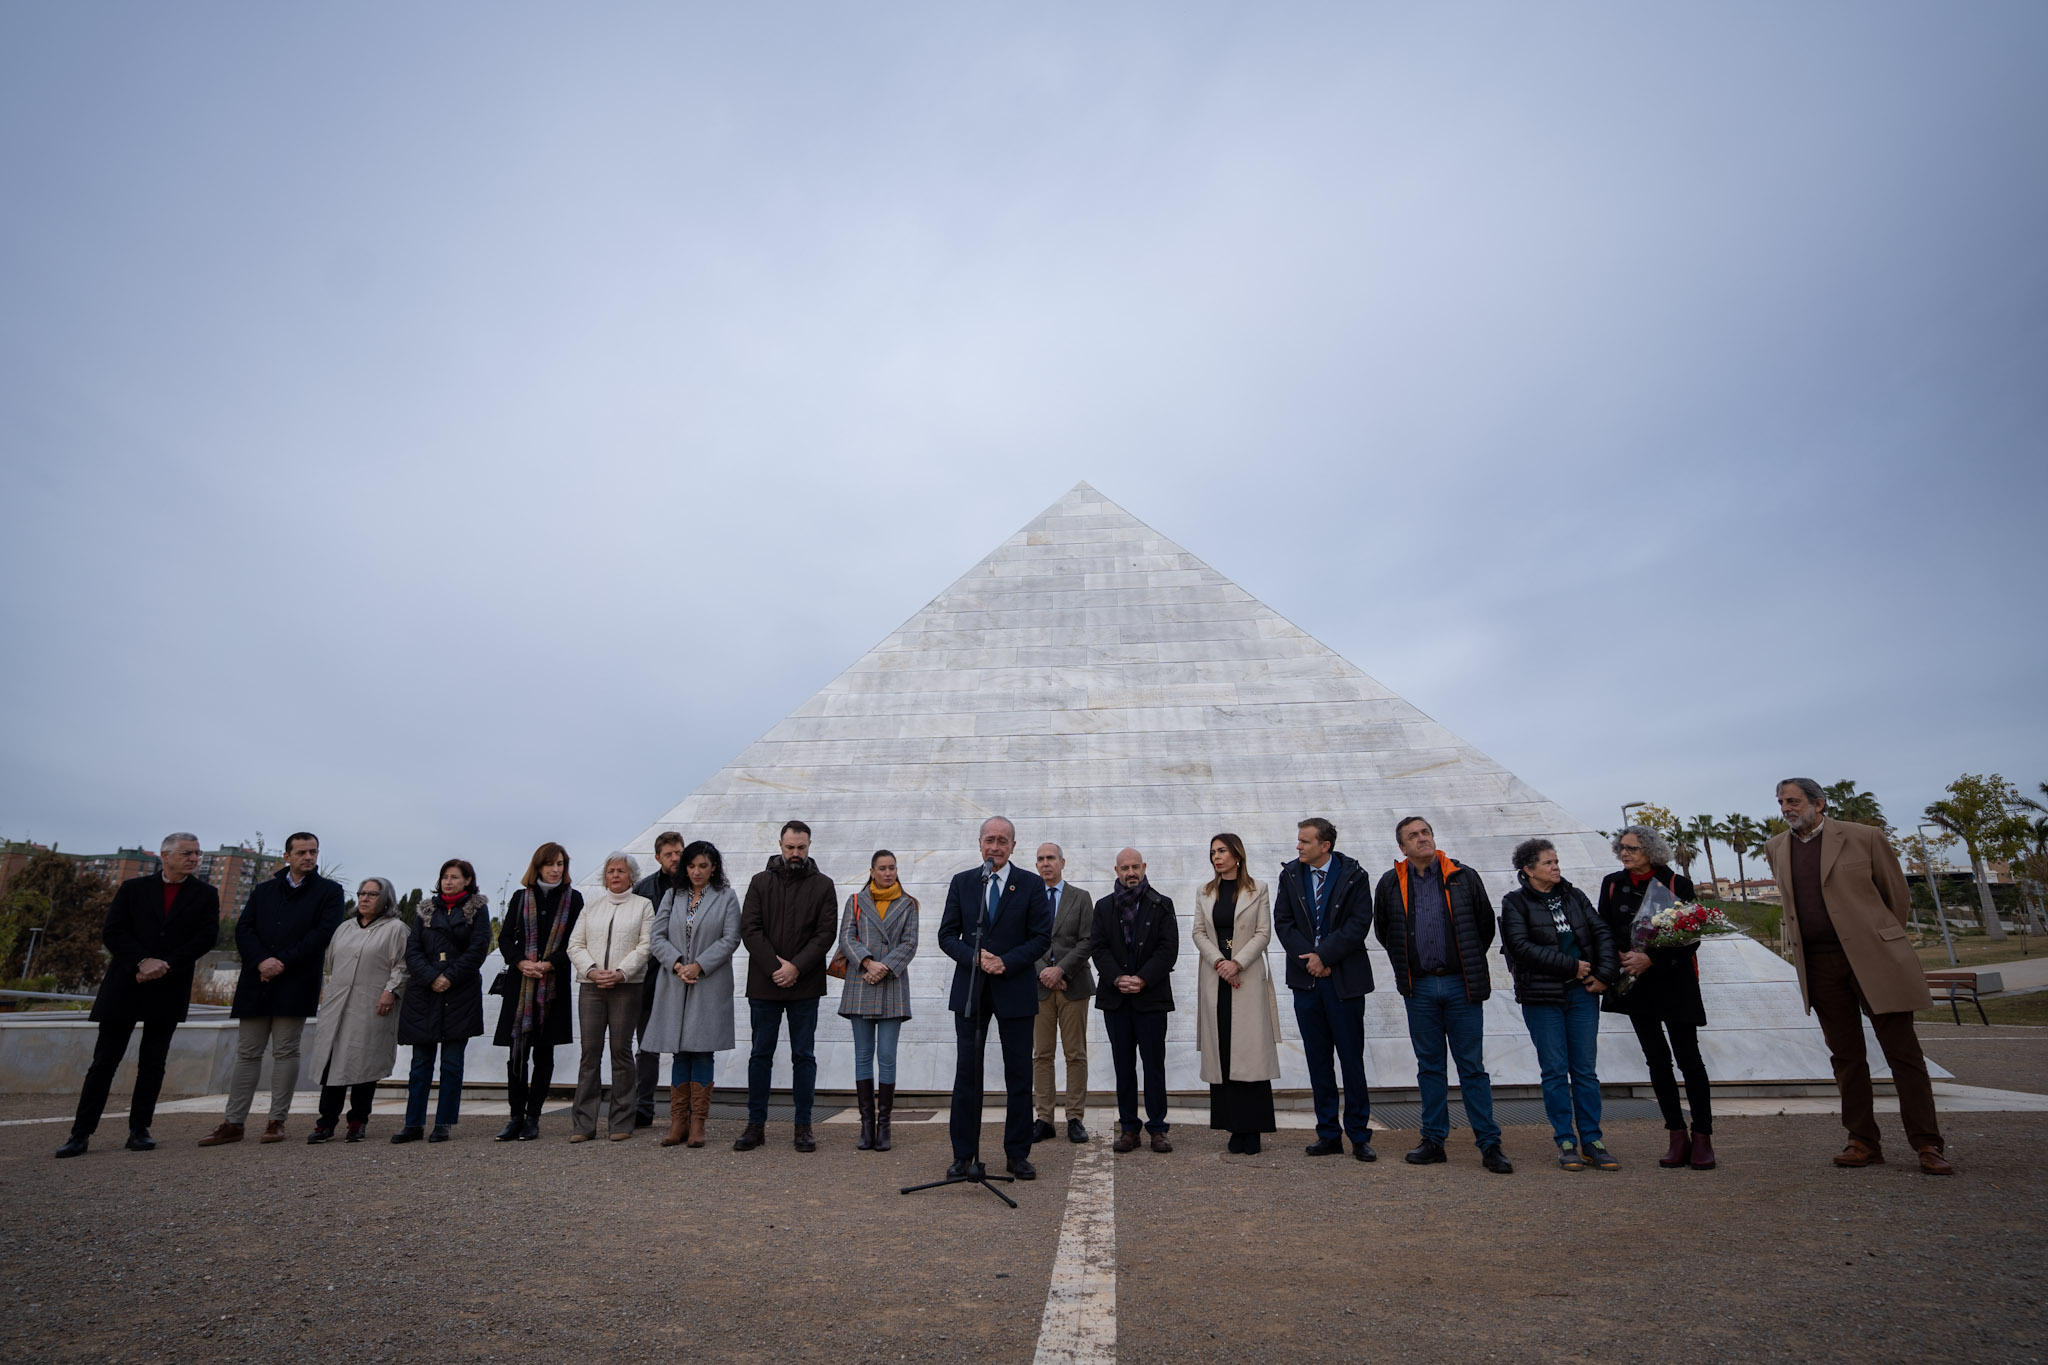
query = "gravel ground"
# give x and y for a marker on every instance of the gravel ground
(477, 1251)
(2002, 1058)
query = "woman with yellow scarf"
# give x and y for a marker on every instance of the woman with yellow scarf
(877, 939)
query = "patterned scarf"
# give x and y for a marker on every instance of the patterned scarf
(536, 992)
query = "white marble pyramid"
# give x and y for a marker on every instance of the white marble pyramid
(1102, 687)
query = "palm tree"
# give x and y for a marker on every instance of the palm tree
(1975, 811)
(1703, 829)
(1846, 803)
(1743, 836)
(1685, 850)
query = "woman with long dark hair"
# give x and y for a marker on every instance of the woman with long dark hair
(696, 932)
(534, 1010)
(444, 997)
(1237, 1012)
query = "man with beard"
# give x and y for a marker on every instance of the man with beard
(666, 877)
(1136, 941)
(788, 923)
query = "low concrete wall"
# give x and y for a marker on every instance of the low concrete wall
(1761, 1040)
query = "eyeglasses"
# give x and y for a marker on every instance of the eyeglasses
(1628, 848)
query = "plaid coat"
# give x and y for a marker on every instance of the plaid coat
(893, 941)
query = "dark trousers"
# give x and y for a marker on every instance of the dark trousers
(358, 1097)
(803, 1055)
(1832, 990)
(448, 1108)
(1699, 1091)
(647, 1064)
(1440, 1016)
(529, 1071)
(1135, 1038)
(1333, 1037)
(107, 1053)
(970, 1032)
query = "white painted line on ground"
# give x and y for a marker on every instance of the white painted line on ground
(1079, 1326)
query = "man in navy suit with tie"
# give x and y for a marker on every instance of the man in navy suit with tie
(996, 925)
(1321, 914)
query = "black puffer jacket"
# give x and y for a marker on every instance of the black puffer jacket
(1528, 940)
(445, 942)
(1471, 925)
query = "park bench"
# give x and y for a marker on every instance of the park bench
(1959, 986)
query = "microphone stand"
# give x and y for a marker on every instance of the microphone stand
(978, 1170)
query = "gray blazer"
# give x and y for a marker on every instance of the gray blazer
(1073, 938)
(693, 1018)
(891, 941)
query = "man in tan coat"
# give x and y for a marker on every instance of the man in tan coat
(1846, 907)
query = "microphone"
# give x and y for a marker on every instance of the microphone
(988, 870)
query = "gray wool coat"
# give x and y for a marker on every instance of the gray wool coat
(892, 941)
(353, 1043)
(694, 1018)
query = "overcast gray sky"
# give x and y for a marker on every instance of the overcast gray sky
(449, 427)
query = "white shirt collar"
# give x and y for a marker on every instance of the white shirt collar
(1003, 877)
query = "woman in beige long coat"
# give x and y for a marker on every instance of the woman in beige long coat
(1237, 1015)
(355, 1043)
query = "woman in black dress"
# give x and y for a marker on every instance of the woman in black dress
(1664, 996)
(1237, 1019)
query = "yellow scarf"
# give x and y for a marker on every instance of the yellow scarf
(883, 899)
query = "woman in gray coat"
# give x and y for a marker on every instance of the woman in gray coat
(877, 939)
(356, 1042)
(696, 932)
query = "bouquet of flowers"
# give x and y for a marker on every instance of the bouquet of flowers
(1664, 922)
(1678, 926)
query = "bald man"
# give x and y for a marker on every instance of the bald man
(1137, 939)
(995, 927)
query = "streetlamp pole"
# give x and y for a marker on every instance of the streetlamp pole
(1940, 915)
(1628, 806)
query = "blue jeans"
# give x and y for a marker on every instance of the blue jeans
(1567, 1039)
(1439, 1013)
(450, 1107)
(692, 1068)
(867, 1034)
(803, 1057)
(1333, 1026)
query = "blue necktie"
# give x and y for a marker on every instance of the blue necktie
(1316, 895)
(995, 893)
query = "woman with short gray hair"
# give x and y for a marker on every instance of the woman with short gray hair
(355, 1043)
(1663, 994)
(608, 952)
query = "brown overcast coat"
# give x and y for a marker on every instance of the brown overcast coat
(1868, 903)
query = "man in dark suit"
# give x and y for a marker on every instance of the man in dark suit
(1321, 914)
(1065, 986)
(996, 925)
(1137, 939)
(158, 927)
(282, 935)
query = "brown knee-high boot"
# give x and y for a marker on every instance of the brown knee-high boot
(885, 1103)
(700, 1109)
(678, 1114)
